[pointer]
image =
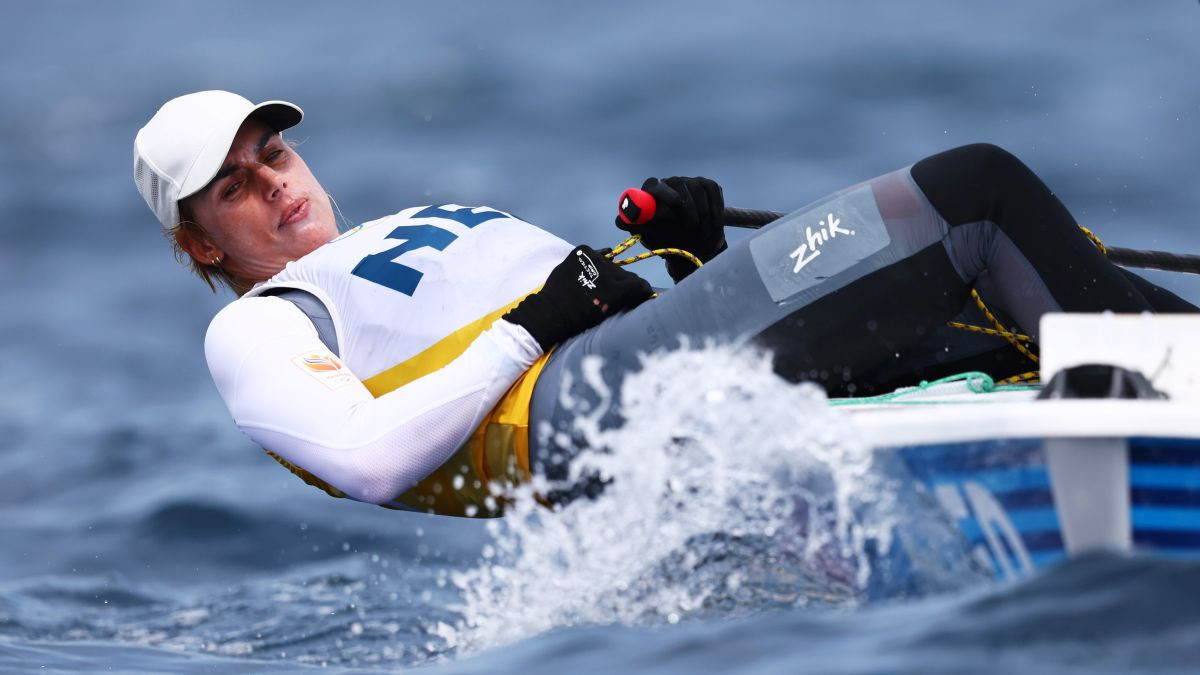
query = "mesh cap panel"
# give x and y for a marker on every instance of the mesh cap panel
(152, 188)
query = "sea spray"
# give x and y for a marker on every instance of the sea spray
(726, 490)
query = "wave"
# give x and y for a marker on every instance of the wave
(728, 491)
(1098, 614)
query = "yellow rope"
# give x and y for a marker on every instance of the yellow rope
(621, 247)
(1017, 340)
(986, 331)
(625, 245)
(1013, 338)
(1031, 376)
(1095, 240)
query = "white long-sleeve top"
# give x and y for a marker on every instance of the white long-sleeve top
(415, 300)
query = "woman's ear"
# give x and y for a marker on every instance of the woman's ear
(199, 245)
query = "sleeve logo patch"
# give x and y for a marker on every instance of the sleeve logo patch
(325, 368)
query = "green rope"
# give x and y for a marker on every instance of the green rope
(977, 383)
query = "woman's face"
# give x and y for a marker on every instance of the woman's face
(263, 209)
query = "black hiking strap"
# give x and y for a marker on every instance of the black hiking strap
(314, 309)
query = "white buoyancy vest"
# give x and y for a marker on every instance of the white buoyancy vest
(407, 294)
(396, 286)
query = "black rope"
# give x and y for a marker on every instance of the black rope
(1154, 260)
(752, 218)
(1128, 257)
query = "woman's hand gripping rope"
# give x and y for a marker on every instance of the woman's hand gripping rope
(677, 216)
(580, 292)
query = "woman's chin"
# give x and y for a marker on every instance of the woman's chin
(308, 235)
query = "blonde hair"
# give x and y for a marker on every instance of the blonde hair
(212, 274)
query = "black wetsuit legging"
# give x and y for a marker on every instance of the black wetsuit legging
(974, 216)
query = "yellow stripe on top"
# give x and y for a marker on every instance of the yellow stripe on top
(435, 356)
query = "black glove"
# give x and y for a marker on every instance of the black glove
(580, 292)
(689, 215)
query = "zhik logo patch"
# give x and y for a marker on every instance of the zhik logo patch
(797, 254)
(808, 251)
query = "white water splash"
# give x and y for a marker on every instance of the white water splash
(731, 490)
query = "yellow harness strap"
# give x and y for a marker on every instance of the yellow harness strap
(497, 453)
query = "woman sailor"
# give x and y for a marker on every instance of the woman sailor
(402, 362)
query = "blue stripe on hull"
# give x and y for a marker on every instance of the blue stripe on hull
(1159, 518)
(1165, 451)
(1180, 541)
(1043, 559)
(1176, 477)
(999, 480)
(1139, 496)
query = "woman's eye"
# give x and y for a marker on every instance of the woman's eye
(274, 155)
(233, 187)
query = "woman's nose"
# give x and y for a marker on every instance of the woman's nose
(273, 182)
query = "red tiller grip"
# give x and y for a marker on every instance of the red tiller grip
(636, 207)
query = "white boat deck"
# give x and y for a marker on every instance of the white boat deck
(953, 413)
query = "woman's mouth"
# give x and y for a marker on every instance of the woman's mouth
(295, 213)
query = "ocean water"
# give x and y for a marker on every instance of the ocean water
(141, 532)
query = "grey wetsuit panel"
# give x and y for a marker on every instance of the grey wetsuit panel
(314, 309)
(983, 248)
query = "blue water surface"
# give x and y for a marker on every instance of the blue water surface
(141, 532)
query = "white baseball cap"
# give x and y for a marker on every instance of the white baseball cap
(183, 146)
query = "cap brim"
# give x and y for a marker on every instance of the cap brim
(278, 115)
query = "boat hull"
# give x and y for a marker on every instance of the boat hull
(1022, 504)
